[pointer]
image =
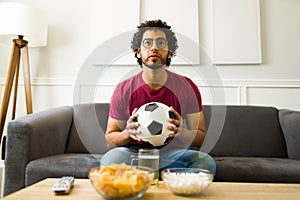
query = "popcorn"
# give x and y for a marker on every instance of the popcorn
(186, 183)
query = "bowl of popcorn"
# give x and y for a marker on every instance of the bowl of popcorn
(121, 181)
(187, 181)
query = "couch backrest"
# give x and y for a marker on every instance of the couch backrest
(88, 128)
(247, 131)
(231, 130)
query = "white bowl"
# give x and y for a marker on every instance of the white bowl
(187, 181)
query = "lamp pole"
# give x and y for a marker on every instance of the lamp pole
(19, 50)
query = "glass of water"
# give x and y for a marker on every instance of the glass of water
(148, 158)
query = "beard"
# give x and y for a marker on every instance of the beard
(155, 65)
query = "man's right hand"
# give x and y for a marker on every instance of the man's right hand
(132, 125)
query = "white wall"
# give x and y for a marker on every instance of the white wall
(77, 27)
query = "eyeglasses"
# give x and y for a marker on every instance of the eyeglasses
(161, 43)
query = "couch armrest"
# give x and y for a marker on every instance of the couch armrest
(34, 136)
(290, 124)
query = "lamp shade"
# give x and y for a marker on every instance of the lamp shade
(19, 19)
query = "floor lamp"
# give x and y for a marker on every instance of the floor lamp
(22, 25)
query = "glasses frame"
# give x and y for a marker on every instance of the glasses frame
(156, 42)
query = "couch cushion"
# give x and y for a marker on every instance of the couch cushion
(290, 124)
(77, 165)
(255, 169)
(88, 129)
(248, 131)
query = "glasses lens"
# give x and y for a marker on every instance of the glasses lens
(161, 43)
(147, 43)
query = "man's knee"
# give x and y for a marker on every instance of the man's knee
(210, 163)
(205, 161)
(116, 156)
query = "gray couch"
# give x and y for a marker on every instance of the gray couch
(249, 144)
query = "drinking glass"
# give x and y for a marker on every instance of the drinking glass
(148, 158)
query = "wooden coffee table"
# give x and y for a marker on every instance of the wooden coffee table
(217, 190)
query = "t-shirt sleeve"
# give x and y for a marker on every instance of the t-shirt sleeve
(195, 99)
(118, 108)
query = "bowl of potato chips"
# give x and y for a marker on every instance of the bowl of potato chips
(121, 181)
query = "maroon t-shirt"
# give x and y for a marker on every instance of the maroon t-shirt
(179, 92)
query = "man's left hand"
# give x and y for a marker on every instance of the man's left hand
(178, 122)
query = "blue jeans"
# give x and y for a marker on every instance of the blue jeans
(169, 158)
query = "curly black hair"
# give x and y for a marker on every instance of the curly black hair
(154, 25)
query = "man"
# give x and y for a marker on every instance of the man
(154, 44)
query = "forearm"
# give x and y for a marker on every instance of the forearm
(195, 129)
(195, 137)
(117, 138)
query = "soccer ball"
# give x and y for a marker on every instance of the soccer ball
(153, 118)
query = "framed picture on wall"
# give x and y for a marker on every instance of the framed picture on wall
(183, 18)
(235, 31)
